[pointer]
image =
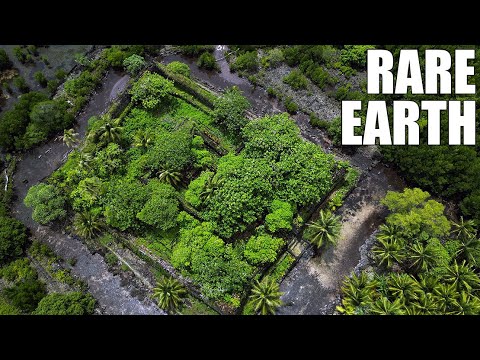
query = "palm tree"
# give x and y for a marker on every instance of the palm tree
(463, 229)
(85, 161)
(462, 276)
(170, 177)
(70, 138)
(87, 225)
(422, 257)
(387, 232)
(469, 249)
(426, 304)
(142, 140)
(387, 252)
(325, 230)
(404, 286)
(427, 282)
(169, 293)
(210, 186)
(467, 305)
(110, 131)
(383, 306)
(446, 296)
(93, 187)
(265, 296)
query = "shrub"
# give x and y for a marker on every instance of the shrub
(60, 74)
(262, 249)
(13, 237)
(245, 62)
(290, 105)
(355, 55)
(179, 67)
(40, 78)
(229, 110)
(18, 270)
(195, 50)
(111, 259)
(207, 61)
(26, 294)
(20, 83)
(133, 64)
(151, 90)
(280, 216)
(74, 303)
(47, 203)
(81, 85)
(5, 62)
(161, 210)
(296, 80)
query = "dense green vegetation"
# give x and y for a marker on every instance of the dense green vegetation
(74, 303)
(150, 173)
(428, 265)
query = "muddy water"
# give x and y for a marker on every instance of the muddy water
(312, 287)
(112, 296)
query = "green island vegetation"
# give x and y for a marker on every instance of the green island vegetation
(168, 174)
(216, 198)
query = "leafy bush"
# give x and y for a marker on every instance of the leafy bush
(195, 50)
(5, 62)
(290, 105)
(133, 64)
(262, 249)
(161, 210)
(60, 74)
(73, 303)
(13, 237)
(47, 202)
(245, 62)
(207, 61)
(355, 55)
(229, 110)
(20, 83)
(26, 294)
(296, 80)
(280, 216)
(179, 67)
(18, 270)
(151, 90)
(40, 78)
(82, 85)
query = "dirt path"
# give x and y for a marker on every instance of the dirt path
(113, 296)
(312, 287)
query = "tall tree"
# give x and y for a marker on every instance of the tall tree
(325, 230)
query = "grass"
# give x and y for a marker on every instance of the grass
(197, 308)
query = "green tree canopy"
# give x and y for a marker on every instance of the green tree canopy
(47, 202)
(13, 237)
(229, 110)
(73, 303)
(151, 90)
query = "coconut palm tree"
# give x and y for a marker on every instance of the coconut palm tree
(404, 286)
(265, 296)
(87, 225)
(383, 306)
(463, 229)
(325, 230)
(169, 294)
(170, 177)
(93, 187)
(387, 252)
(427, 282)
(446, 296)
(426, 304)
(142, 140)
(469, 249)
(210, 186)
(422, 257)
(110, 131)
(467, 305)
(462, 276)
(69, 138)
(85, 161)
(387, 232)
